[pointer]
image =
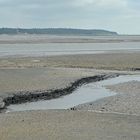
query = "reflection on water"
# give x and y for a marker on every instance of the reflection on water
(65, 48)
(86, 93)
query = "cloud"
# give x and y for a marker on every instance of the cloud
(102, 3)
(118, 15)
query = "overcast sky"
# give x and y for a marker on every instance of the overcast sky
(122, 16)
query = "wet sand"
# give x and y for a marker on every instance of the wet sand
(55, 72)
(127, 100)
(109, 61)
(31, 79)
(68, 125)
(22, 39)
(37, 73)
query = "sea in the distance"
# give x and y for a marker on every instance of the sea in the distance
(65, 48)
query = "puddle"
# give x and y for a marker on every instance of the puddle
(84, 94)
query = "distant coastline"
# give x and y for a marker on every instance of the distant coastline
(57, 31)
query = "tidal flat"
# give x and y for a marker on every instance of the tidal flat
(115, 117)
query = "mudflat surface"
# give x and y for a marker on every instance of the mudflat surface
(132, 87)
(126, 101)
(30, 79)
(39, 73)
(110, 61)
(68, 125)
(14, 39)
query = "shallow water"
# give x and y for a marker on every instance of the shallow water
(84, 94)
(65, 48)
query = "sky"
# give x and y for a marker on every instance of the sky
(122, 16)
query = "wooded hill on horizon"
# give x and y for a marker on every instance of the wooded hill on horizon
(57, 31)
